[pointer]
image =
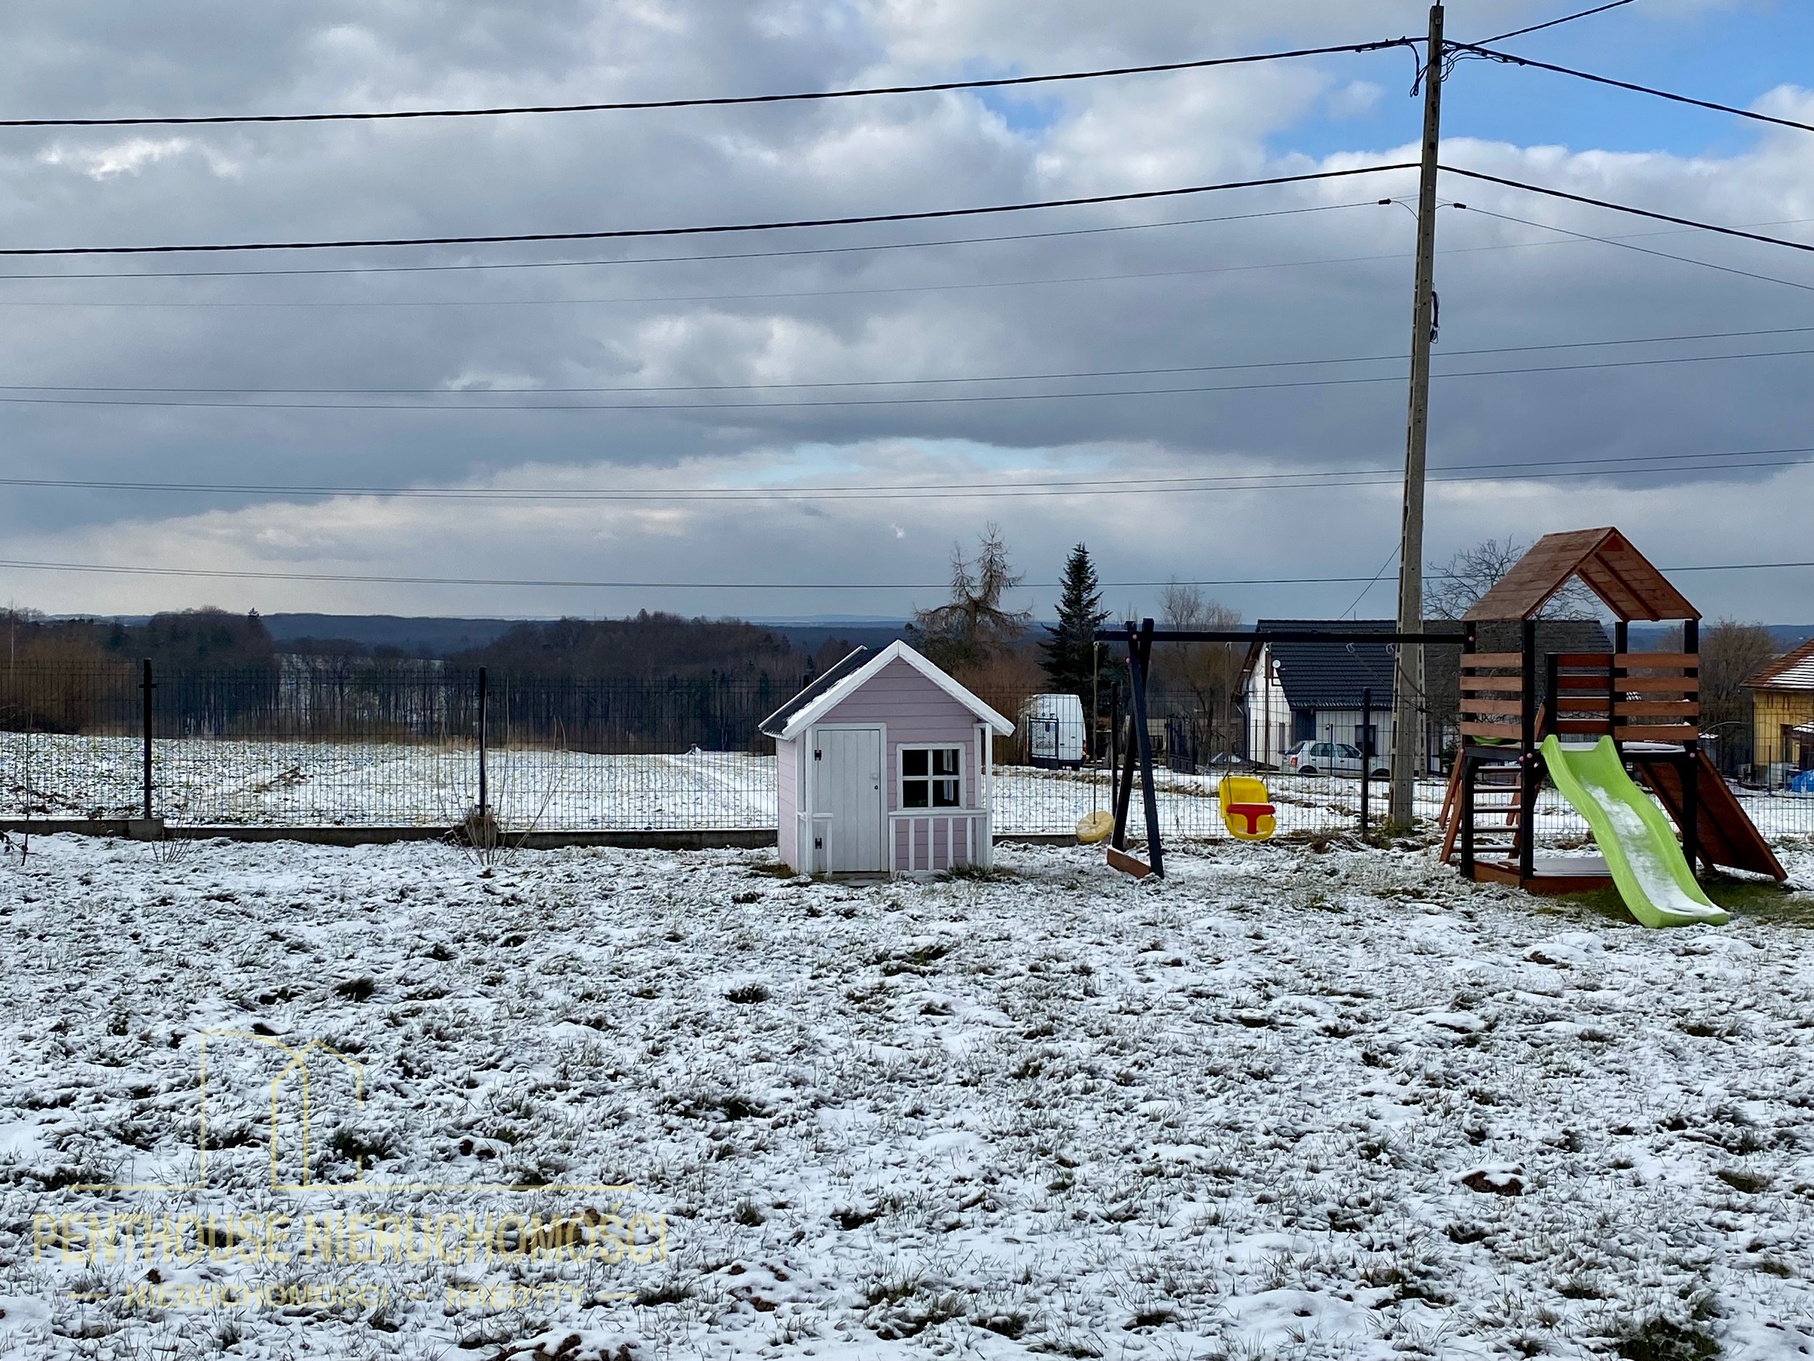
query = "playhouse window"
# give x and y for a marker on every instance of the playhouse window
(931, 778)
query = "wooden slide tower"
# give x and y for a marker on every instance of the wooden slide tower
(1648, 702)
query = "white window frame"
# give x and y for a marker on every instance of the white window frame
(901, 777)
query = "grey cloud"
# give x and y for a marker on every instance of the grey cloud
(1256, 296)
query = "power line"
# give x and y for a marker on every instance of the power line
(1355, 605)
(471, 266)
(627, 233)
(1627, 208)
(386, 579)
(1636, 89)
(1645, 250)
(776, 295)
(467, 408)
(1565, 19)
(870, 291)
(713, 101)
(468, 266)
(1605, 466)
(1049, 376)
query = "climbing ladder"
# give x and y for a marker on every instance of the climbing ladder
(1648, 702)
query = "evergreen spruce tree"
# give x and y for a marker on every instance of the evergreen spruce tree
(1069, 651)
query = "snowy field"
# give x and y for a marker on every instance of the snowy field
(223, 782)
(1284, 1104)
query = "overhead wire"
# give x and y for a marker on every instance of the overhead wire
(1355, 604)
(1644, 250)
(772, 296)
(1008, 81)
(398, 579)
(475, 266)
(1514, 60)
(1047, 376)
(470, 407)
(713, 229)
(1655, 216)
(700, 102)
(466, 266)
(1553, 23)
(1115, 484)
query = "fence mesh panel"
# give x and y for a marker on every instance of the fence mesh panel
(326, 742)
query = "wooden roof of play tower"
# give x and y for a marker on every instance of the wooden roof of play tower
(1604, 559)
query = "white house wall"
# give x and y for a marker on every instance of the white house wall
(1268, 713)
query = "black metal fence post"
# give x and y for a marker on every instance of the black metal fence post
(484, 793)
(147, 686)
(1366, 756)
(1552, 695)
(1530, 764)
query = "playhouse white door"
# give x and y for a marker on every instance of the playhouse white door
(847, 798)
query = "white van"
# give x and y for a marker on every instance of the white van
(1053, 728)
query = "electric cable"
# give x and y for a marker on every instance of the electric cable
(467, 266)
(1107, 485)
(985, 398)
(716, 229)
(710, 101)
(1627, 208)
(1645, 250)
(1565, 19)
(388, 579)
(1669, 95)
(1049, 376)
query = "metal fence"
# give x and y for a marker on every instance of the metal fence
(326, 742)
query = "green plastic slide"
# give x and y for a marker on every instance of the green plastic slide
(1634, 836)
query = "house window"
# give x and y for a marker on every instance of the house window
(931, 777)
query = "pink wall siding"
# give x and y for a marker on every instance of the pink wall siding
(787, 778)
(915, 710)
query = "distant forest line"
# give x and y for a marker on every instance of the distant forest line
(644, 647)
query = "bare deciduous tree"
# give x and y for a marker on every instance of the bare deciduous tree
(1452, 590)
(1731, 653)
(974, 627)
(1204, 674)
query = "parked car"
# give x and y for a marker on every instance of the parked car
(1328, 758)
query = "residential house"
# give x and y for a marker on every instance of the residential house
(1313, 691)
(1782, 715)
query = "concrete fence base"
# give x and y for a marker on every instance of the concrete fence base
(653, 839)
(139, 829)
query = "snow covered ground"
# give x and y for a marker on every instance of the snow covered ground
(1284, 1104)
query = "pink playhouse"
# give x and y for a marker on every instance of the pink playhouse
(883, 768)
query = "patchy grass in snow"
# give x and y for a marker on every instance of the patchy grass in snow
(1299, 1100)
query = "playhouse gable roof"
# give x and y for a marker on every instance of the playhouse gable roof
(852, 674)
(1604, 560)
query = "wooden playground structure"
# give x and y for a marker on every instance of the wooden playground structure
(1135, 756)
(1612, 730)
(1648, 703)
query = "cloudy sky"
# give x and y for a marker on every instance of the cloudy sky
(834, 407)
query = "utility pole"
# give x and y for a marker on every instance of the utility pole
(1408, 680)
